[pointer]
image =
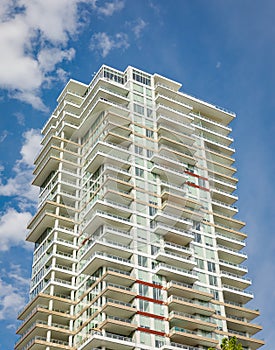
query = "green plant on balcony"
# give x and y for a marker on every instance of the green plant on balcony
(230, 344)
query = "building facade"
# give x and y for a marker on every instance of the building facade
(136, 244)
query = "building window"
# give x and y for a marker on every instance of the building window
(139, 172)
(197, 237)
(213, 280)
(142, 261)
(143, 290)
(138, 109)
(141, 77)
(200, 263)
(149, 113)
(144, 305)
(211, 266)
(138, 150)
(149, 133)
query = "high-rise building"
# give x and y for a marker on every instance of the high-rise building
(136, 244)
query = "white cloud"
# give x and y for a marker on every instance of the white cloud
(34, 36)
(13, 288)
(109, 8)
(13, 229)
(138, 26)
(11, 301)
(48, 58)
(31, 146)
(20, 118)
(35, 39)
(218, 65)
(20, 184)
(104, 43)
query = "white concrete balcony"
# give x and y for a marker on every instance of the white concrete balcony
(60, 285)
(213, 144)
(221, 168)
(118, 307)
(30, 322)
(109, 85)
(38, 328)
(212, 124)
(220, 218)
(115, 187)
(223, 196)
(169, 207)
(112, 341)
(224, 208)
(176, 141)
(107, 158)
(110, 92)
(168, 161)
(189, 291)
(48, 165)
(116, 132)
(124, 278)
(33, 311)
(45, 218)
(178, 191)
(218, 158)
(174, 194)
(192, 322)
(187, 263)
(235, 280)
(176, 154)
(169, 171)
(226, 231)
(229, 254)
(170, 127)
(92, 103)
(233, 268)
(245, 340)
(104, 245)
(165, 83)
(74, 92)
(176, 346)
(184, 251)
(213, 135)
(223, 183)
(38, 307)
(108, 207)
(102, 104)
(189, 306)
(112, 149)
(240, 324)
(38, 342)
(177, 221)
(120, 325)
(170, 112)
(99, 259)
(236, 294)
(107, 233)
(58, 144)
(175, 102)
(117, 292)
(173, 234)
(186, 336)
(99, 217)
(117, 119)
(238, 310)
(173, 272)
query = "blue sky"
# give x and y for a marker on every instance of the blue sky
(221, 51)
